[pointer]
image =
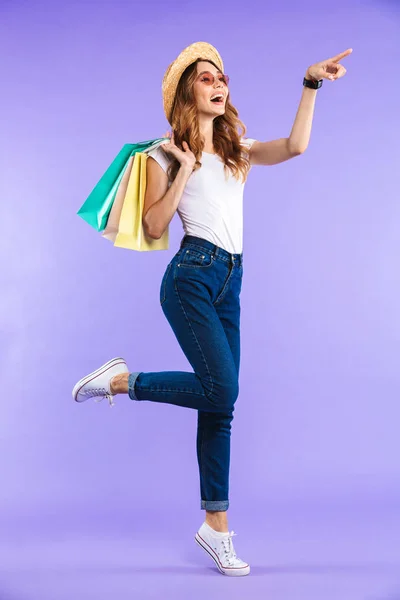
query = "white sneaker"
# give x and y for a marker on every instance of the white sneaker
(98, 382)
(221, 550)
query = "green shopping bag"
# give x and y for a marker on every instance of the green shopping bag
(97, 206)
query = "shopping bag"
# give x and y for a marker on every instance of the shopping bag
(131, 234)
(111, 230)
(97, 207)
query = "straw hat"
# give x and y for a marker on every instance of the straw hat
(173, 74)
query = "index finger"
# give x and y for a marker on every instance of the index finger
(341, 55)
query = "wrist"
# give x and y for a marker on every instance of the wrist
(311, 82)
(186, 169)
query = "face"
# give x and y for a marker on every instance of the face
(203, 92)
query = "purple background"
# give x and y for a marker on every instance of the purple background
(100, 503)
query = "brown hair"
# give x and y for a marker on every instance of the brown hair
(226, 137)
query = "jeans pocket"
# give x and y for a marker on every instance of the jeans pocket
(193, 257)
(163, 286)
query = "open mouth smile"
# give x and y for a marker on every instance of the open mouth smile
(218, 99)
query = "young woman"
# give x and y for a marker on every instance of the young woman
(201, 175)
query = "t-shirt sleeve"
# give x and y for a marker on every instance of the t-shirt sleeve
(161, 157)
(247, 142)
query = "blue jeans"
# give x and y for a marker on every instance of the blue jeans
(199, 295)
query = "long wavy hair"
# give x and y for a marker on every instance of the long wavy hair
(228, 129)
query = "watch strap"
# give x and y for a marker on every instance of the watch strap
(312, 83)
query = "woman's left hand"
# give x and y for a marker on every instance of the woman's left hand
(329, 68)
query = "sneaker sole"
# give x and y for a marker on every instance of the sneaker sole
(230, 571)
(100, 371)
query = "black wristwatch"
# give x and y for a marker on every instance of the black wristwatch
(312, 83)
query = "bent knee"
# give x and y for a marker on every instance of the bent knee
(224, 396)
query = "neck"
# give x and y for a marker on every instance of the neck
(206, 125)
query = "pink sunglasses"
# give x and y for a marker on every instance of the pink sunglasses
(208, 78)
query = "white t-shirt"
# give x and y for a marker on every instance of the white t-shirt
(211, 206)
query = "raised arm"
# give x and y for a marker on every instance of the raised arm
(277, 151)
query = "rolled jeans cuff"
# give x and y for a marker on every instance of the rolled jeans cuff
(220, 505)
(131, 384)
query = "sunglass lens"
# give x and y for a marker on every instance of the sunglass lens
(224, 78)
(207, 78)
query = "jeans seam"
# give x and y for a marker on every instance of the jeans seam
(144, 388)
(195, 337)
(221, 295)
(164, 284)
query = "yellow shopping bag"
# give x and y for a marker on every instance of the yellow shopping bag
(131, 234)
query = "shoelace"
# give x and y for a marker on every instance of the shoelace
(102, 393)
(229, 550)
